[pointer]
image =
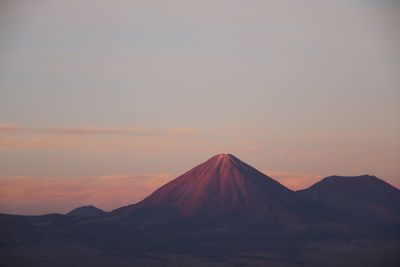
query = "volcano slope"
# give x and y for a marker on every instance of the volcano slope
(223, 191)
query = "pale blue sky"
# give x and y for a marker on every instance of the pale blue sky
(300, 86)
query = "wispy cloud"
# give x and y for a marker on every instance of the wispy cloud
(40, 195)
(19, 137)
(92, 130)
(10, 128)
(295, 180)
(182, 131)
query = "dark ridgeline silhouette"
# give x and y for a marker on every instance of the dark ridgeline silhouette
(362, 197)
(86, 212)
(221, 210)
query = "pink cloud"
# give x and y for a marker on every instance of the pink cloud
(295, 180)
(182, 130)
(93, 130)
(9, 128)
(92, 138)
(40, 195)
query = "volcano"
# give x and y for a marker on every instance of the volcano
(223, 190)
(365, 197)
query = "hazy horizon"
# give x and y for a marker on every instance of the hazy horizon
(63, 194)
(102, 102)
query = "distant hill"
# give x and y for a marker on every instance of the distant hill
(86, 212)
(364, 197)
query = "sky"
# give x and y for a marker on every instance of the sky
(102, 102)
